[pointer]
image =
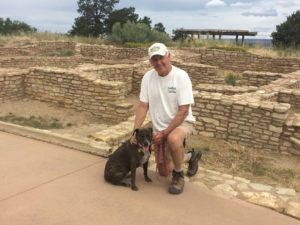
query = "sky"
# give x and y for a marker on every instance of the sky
(261, 16)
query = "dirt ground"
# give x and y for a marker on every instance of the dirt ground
(257, 165)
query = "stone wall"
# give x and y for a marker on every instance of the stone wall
(138, 72)
(225, 89)
(243, 61)
(52, 48)
(200, 73)
(79, 91)
(254, 78)
(291, 96)
(257, 124)
(227, 60)
(112, 53)
(291, 134)
(26, 62)
(118, 72)
(291, 93)
(49, 47)
(255, 119)
(249, 116)
(285, 90)
(39, 49)
(11, 84)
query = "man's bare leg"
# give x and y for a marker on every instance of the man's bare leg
(175, 146)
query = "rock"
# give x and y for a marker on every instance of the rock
(286, 191)
(225, 189)
(293, 209)
(261, 187)
(240, 179)
(265, 199)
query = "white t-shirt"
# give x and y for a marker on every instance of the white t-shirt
(165, 94)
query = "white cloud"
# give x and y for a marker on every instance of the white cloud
(241, 4)
(213, 3)
(266, 13)
(59, 16)
(286, 3)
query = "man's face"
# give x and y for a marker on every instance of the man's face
(162, 64)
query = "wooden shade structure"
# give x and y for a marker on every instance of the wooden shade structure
(214, 32)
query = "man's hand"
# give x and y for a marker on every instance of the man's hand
(158, 137)
(133, 140)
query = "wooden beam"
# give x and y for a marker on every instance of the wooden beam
(217, 32)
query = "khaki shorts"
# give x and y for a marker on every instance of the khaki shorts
(187, 127)
(163, 156)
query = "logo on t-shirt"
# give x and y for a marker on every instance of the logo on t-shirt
(171, 89)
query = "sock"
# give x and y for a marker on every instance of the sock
(178, 171)
(187, 156)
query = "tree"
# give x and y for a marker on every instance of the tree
(146, 20)
(159, 27)
(94, 13)
(7, 26)
(121, 16)
(288, 33)
(178, 35)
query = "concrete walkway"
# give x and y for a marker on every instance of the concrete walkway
(45, 184)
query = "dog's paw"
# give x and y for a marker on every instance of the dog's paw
(147, 179)
(134, 188)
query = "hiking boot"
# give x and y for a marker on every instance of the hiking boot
(193, 162)
(177, 184)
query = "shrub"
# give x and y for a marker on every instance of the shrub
(136, 32)
(231, 79)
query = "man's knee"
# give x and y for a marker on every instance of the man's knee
(175, 139)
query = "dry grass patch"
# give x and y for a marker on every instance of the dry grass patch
(35, 121)
(258, 166)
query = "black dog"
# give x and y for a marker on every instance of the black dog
(128, 157)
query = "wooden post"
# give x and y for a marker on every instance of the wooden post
(236, 38)
(243, 37)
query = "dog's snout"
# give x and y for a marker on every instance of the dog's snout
(146, 143)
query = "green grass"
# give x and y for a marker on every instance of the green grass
(232, 48)
(33, 121)
(63, 53)
(137, 45)
(22, 40)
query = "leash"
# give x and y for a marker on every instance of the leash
(161, 158)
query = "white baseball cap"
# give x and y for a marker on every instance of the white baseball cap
(157, 49)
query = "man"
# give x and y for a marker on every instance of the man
(166, 91)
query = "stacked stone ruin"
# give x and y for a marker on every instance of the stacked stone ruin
(262, 111)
